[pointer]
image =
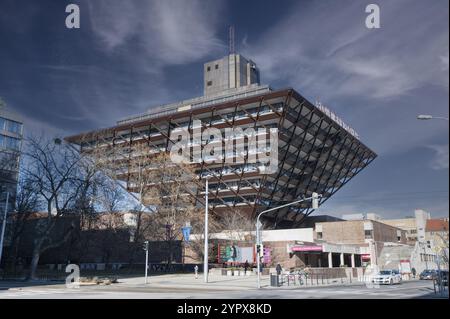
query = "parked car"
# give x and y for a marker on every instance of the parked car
(427, 274)
(387, 277)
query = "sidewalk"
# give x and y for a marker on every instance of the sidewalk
(217, 282)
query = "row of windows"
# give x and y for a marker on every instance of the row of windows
(10, 126)
(10, 142)
(208, 68)
(427, 257)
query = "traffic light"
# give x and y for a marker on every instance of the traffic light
(315, 200)
(259, 250)
(145, 246)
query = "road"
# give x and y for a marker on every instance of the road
(406, 290)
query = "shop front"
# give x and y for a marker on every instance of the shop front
(325, 255)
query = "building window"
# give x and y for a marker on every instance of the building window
(319, 235)
(208, 68)
(14, 127)
(12, 143)
(217, 66)
(368, 234)
(2, 124)
(209, 83)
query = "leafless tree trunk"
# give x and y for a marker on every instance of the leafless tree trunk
(62, 184)
(26, 203)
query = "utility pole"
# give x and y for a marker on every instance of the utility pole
(425, 256)
(205, 261)
(315, 204)
(5, 215)
(146, 261)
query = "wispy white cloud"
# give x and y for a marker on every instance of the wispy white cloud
(441, 158)
(166, 32)
(373, 78)
(321, 47)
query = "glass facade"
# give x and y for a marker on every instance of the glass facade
(10, 126)
(10, 146)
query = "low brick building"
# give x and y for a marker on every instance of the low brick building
(358, 232)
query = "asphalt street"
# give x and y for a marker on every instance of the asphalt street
(406, 290)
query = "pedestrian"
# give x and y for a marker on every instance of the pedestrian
(279, 269)
(246, 265)
(413, 270)
(196, 271)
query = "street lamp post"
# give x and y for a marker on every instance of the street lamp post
(205, 260)
(425, 255)
(5, 215)
(315, 204)
(146, 244)
(425, 117)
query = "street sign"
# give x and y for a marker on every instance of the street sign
(186, 232)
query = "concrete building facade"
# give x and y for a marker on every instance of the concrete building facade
(359, 232)
(230, 72)
(317, 151)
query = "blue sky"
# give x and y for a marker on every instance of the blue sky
(131, 55)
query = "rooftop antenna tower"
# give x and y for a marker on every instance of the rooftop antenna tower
(231, 40)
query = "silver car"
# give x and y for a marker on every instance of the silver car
(387, 277)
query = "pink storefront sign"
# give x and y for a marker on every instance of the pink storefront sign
(306, 248)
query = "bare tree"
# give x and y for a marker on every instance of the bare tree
(26, 203)
(441, 246)
(168, 188)
(62, 185)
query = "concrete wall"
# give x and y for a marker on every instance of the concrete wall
(345, 232)
(387, 233)
(352, 232)
(406, 224)
(421, 222)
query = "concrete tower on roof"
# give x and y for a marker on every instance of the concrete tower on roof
(230, 72)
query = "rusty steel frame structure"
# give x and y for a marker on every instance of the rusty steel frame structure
(316, 154)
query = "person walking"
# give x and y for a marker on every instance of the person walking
(278, 269)
(246, 265)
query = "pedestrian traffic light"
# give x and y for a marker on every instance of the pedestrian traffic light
(145, 246)
(259, 250)
(315, 200)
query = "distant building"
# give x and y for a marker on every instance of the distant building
(11, 132)
(414, 226)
